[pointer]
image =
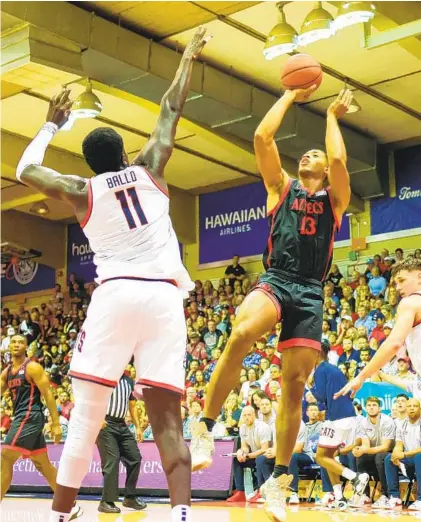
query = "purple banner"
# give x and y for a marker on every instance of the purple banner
(232, 222)
(402, 212)
(216, 478)
(26, 276)
(79, 255)
(344, 232)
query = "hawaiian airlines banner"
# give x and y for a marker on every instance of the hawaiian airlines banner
(26, 276)
(233, 222)
(402, 212)
(79, 255)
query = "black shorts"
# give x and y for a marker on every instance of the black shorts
(26, 434)
(300, 306)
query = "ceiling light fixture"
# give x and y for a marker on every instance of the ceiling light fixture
(282, 39)
(351, 13)
(40, 208)
(318, 25)
(87, 105)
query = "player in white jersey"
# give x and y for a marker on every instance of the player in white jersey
(138, 307)
(407, 329)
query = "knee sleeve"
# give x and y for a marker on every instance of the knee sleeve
(91, 402)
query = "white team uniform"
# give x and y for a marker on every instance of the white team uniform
(335, 434)
(138, 307)
(413, 344)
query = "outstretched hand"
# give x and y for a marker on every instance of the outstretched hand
(340, 106)
(59, 109)
(198, 42)
(302, 95)
(353, 386)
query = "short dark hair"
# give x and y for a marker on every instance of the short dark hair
(103, 150)
(358, 406)
(20, 335)
(399, 250)
(402, 395)
(325, 348)
(411, 265)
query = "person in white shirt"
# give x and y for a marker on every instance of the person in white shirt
(6, 342)
(377, 432)
(401, 404)
(255, 436)
(406, 457)
(410, 385)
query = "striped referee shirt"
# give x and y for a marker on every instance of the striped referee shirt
(122, 394)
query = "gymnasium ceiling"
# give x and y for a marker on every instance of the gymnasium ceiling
(131, 51)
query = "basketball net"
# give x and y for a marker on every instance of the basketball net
(9, 274)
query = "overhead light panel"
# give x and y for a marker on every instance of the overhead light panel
(282, 39)
(318, 25)
(351, 13)
(87, 105)
(40, 208)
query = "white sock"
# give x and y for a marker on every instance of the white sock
(337, 491)
(348, 474)
(55, 516)
(181, 514)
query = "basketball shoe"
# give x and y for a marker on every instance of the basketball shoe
(274, 491)
(201, 447)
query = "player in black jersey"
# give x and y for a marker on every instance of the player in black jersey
(303, 217)
(28, 382)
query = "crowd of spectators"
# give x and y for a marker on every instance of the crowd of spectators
(359, 311)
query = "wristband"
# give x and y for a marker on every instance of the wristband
(35, 151)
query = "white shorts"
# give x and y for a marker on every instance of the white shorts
(335, 433)
(133, 317)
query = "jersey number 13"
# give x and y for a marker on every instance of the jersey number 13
(121, 195)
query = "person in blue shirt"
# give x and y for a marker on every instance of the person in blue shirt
(350, 354)
(377, 283)
(365, 320)
(340, 421)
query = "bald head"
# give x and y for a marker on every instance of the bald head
(249, 415)
(413, 409)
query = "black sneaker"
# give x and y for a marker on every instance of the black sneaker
(134, 503)
(339, 505)
(108, 507)
(359, 483)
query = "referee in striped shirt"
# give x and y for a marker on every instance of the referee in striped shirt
(117, 443)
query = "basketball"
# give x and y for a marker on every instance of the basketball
(301, 71)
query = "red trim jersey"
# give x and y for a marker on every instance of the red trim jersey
(26, 397)
(302, 231)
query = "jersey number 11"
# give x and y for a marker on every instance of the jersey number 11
(122, 198)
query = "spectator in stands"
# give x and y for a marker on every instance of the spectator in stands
(191, 373)
(196, 348)
(404, 372)
(65, 406)
(231, 414)
(251, 378)
(407, 452)
(335, 277)
(401, 403)
(274, 375)
(378, 332)
(388, 264)
(6, 342)
(235, 272)
(196, 412)
(348, 352)
(377, 283)
(255, 439)
(199, 384)
(266, 411)
(365, 357)
(377, 432)
(213, 338)
(329, 293)
(325, 330)
(410, 385)
(399, 255)
(365, 319)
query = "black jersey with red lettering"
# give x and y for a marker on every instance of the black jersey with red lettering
(302, 230)
(25, 394)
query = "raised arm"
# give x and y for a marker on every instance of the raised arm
(267, 156)
(156, 153)
(69, 189)
(37, 374)
(338, 175)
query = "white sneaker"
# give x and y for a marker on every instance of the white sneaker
(381, 503)
(274, 490)
(76, 512)
(294, 499)
(394, 503)
(201, 447)
(415, 506)
(359, 501)
(339, 505)
(327, 499)
(359, 483)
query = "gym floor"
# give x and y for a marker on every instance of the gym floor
(18, 509)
